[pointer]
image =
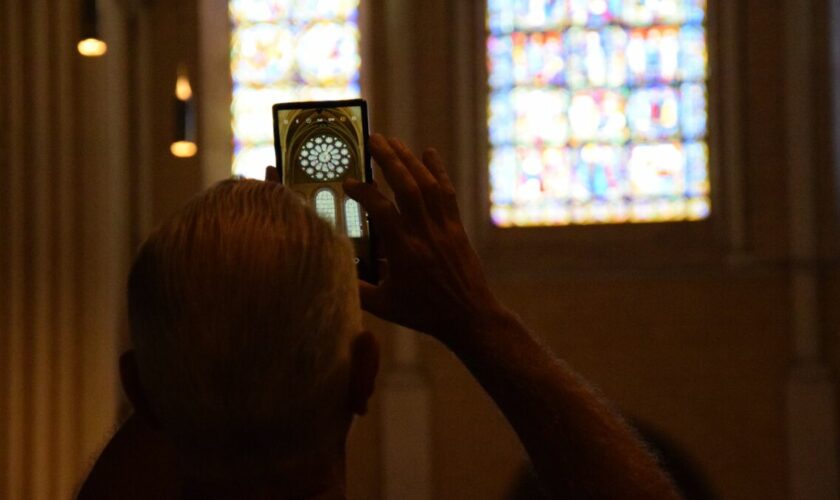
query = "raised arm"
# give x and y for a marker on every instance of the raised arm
(435, 284)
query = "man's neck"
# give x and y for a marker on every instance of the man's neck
(263, 491)
(141, 462)
(311, 477)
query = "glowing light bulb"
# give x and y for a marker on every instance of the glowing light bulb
(183, 91)
(92, 47)
(183, 149)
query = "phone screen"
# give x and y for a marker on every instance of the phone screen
(318, 145)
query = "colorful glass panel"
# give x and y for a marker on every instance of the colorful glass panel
(597, 111)
(286, 50)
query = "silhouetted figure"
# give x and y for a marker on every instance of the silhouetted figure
(250, 361)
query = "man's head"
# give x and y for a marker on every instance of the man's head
(246, 324)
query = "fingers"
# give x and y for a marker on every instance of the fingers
(406, 190)
(433, 161)
(424, 179)
(272, 174)
(422, 188)
(378, 206)
(448, 200)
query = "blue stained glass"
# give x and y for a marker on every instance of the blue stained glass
(596, 58)
(598, 115)
(539, 14)
(602, 167)
(259, 10)
(693, 11)
(594, 13)
(503, 175)
(262, 55)
(581, 190)
(638, 12)
(251, 124)
(305, 11)
(697, 170)
(597, 111)
(541, 116)
(650, 12)
(295, 11)
(692, 56)
(529, 188)
(328, 54)
(601, 180)
(250, 159)
(557, 174)
(693, 111)
(502, 119)
(653, 113)
(656, 170)
(653, 55)
(537, 59)
(500, 50)
(500, 16)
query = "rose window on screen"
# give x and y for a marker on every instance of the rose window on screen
(324, 158)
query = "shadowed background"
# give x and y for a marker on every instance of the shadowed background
(721, 335)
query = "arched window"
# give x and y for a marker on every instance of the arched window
(353, 218)
(286, 51)
(597, 111)
(325, 205)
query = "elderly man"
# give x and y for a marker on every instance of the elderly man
(250, 360)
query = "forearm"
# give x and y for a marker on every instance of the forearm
(579, 446)
(435, 284)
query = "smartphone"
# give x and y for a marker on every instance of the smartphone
(318, 144)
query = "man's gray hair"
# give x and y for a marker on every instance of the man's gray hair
(241, 306)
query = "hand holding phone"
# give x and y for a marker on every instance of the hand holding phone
(435, 283)
(318, 145)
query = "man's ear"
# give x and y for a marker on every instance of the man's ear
(130, 378)
(364, 365)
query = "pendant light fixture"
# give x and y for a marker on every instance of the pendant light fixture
(90, 45)
(183, 144)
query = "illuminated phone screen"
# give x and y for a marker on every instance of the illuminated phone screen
(318, 145)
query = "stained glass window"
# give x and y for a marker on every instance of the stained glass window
(325, 204)
(597, 111)
(286, 50)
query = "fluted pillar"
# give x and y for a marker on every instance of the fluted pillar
(63, 245)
